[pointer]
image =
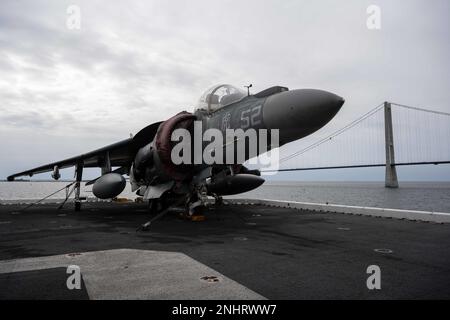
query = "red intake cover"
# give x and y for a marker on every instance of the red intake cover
(164, 144)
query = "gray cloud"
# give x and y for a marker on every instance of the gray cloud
(135, 63)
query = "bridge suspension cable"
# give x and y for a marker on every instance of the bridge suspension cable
(334, 134)
(420, 109)
(420, 137)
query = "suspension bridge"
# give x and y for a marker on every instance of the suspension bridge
(389, 135)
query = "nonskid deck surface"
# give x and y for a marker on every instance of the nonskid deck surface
(239, 251)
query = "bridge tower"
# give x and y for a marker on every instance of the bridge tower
(391, 180)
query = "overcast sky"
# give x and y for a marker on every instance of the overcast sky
(67, 91)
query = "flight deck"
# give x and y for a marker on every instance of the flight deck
(237, 252)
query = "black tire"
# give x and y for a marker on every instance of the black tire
(153, 206)
(199, 211)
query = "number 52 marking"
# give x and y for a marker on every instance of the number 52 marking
(251, 117)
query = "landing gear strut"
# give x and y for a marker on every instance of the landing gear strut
(197, 201)
(78, 175)
(153, 206)
(218, 200)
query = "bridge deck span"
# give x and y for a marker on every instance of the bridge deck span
(362, 166)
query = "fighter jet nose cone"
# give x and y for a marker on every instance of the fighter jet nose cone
(334, 105)
(340, 101)
(298, 113)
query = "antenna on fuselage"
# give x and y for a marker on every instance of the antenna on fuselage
(248, 88)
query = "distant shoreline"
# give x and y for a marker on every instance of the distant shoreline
(269, 181)
(422, 195)
(50, 180)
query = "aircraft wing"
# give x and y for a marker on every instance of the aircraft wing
(121, 154)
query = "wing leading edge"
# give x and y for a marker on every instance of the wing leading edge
(121, 154)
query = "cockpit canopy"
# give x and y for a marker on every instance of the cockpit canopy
(219, 96)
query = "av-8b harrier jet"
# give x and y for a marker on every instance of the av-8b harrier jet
(152, 157)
